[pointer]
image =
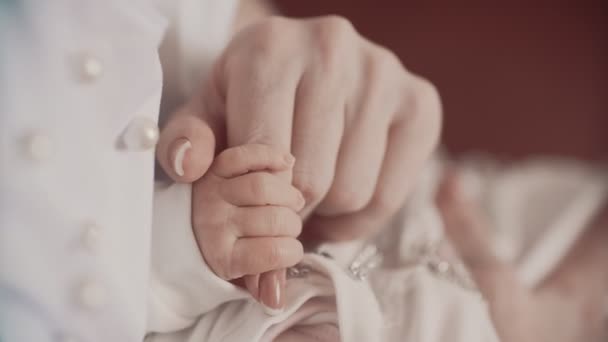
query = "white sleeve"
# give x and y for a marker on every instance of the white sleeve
(223, 324)
(182, 286)
(198, 32)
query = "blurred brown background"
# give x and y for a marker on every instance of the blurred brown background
(517, 78)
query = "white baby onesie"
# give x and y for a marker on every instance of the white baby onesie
(190, 303)
(538, 210)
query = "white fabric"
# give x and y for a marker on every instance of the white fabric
(216, 310)
(198, 31)
(538, 209)
(46, 205)
(558, 199)
(183, 287)
(49, 200)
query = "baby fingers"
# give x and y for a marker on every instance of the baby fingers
(266, 221)
(262, 254)
(242, 159)
(261, 188)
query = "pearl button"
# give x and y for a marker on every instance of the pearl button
(38, 147)
(91, 236)
(92, 68)
(92, 295)
(140, 134)
(443, 267)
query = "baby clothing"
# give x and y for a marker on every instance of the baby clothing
(420, 292)
(536, 210)
(190, 303)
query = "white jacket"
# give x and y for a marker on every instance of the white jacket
(80, 88)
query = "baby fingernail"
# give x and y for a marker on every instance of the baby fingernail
(182, 146)
(290, 160)
(301, 201)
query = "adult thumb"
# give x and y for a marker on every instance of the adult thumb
(186, 146)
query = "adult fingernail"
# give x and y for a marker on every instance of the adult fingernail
(271, 292)
(181, 146)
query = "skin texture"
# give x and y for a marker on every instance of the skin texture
(248, 221)
(360, 125)
(568, 306)
(346, 109)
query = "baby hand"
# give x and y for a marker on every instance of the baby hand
(248, 221)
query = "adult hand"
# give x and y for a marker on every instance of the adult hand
(359, 125)
(568, 306)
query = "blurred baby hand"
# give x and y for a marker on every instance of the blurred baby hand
(565, 307)
(246, 221)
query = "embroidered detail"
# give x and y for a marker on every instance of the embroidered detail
(455, 272)
(298, 271)
(368, 259)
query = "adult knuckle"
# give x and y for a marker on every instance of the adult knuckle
(335, 35)
(262, 47)
(336, 26)
(273, 26)
(383, 67)
(268, 36)
(427, 110)
(427, 98)
(388, 56)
